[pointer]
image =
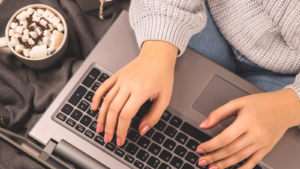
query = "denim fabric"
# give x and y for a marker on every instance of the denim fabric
(211, 44)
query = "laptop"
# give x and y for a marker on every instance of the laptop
(67, 128)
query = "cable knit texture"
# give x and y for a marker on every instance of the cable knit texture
(266, 32)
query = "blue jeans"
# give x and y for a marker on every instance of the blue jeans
(211, 44)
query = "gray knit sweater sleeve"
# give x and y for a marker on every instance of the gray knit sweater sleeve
(173, 21)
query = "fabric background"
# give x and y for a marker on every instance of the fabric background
(26, 93)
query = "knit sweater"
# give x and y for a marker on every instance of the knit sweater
(267, 32)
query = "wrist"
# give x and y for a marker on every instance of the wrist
(159, 49)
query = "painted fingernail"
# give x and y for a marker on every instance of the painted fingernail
(105, 138)
(204, 123)
(144, 129)
(200, 150)
(213, 167)
(93, 106)
(118, 142)
(202, 163)
(98, 130)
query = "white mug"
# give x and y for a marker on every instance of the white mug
(40, 63)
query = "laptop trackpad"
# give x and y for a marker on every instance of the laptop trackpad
(217, 93)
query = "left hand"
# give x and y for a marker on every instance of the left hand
(261, 120)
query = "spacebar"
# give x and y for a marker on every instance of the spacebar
(194, 132)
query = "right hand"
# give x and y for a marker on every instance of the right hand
(149, 76)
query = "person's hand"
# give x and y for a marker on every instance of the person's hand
(261, 120)
(149, 76)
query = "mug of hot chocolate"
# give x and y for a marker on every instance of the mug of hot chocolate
(37, 35)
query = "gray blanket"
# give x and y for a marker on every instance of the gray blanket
(26, 93)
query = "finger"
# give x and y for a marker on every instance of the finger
(228, 135)
(255, 158)
(104, 108)
(101, 91)
(113, 112)
(222, 113)
(128, 112)
(154, 114)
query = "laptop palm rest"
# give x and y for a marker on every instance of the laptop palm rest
(216, 93)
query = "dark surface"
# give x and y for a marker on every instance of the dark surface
(26, 93)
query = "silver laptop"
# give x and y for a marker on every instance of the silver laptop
(68, 126)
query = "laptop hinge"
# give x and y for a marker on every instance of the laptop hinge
(48, 150)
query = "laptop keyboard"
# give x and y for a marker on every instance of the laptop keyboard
(171, 143)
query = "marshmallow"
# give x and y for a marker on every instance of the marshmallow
(55, 21)
(33, 34)
(43, 22)
(19, 30)
(46, 41)
(51, 50)
(56, 39)
(47, 34)
(22, 16)
(38, 52)
(26, 53)
(33, 25)
(40, 11)
(36, 17)
(40, 42)
(15, 36)
(30, 11)
(39, 31)
(31, 42)
(11, 32)
(60, 27)
(14, 42)
(50, 27)
(19, 48)
(26, 31)
(13, 25)
(25, 38)
(47, 14)
(24, 24)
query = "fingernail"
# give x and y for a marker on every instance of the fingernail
(200, 150)
(144, 129)
(202, 163)
(98, 130)
(204, 123)
(105, 138)
(93, 106)
(118, 142)
(213, 167)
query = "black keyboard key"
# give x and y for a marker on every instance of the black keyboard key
(169, 144)
(99, 140)
(123, 146)
(158, 137)
(143, 142)
(86, 120)
(176, 121)
(141, 113)
(138, 164)
(194, 132)
(160, 125)
(91, 77)
(102, 134)
(71, 122)
(83, 105)
(181, 138)
(187, 166)
(146, 167)
(89, 134)
(96, 86)
(92, 113)
(93, 126)
(76, 114)
(150, 133)
(154, 148)
(142, 155)
(192, 144)
(257, 167)
(133, 135)
(170, 131)
(131, 148)
(147, 105)
(135, 124)
(78, 94)
(165, 155)
(153, 162)
(164, 166)
(110, 146)
(103, 77)
(166, 116)
(80, 128)
(202, 167)
(67, 109)
(119, 152)
(179, 150)
(176, 162)
(89, 96)
(61, 116)
(129, 158)
(191, 157)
